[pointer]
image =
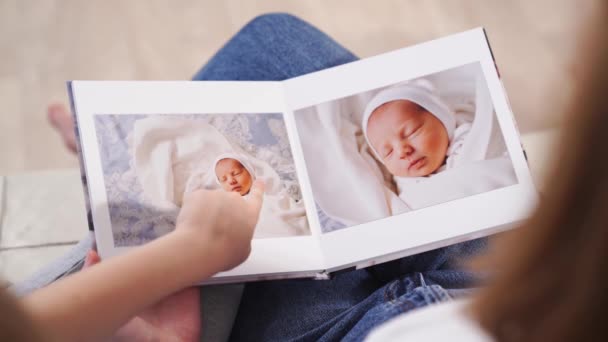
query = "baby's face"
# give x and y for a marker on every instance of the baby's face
(233, 176)
(410, 141)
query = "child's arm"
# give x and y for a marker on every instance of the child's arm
(213, 234)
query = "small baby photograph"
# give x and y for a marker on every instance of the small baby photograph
(150, 161)
(403, 147)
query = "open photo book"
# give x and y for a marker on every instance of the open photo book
(363, 163)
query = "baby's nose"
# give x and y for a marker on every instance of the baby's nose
(406, 151)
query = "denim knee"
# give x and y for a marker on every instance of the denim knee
(274, 46)
(264, 22)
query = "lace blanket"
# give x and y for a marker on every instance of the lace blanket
(263, 136)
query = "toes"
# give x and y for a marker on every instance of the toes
(58, 115)
(91, 259)
(61, 119)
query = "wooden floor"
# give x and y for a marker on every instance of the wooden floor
(43, 43)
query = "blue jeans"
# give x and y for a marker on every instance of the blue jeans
(278, 47)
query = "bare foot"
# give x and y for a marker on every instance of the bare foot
(61, 119)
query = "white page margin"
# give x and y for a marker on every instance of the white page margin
(295, 254)
(451, 220)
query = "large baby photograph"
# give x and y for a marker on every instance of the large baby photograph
(150, 161)
(403, 147)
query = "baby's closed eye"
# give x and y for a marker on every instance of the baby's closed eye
(388, 152)
(414, 130)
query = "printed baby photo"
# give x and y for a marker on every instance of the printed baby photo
(403, 147)
(151, 161)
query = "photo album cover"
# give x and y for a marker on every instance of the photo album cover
(363, 163)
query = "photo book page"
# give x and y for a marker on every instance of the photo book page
(362, 163)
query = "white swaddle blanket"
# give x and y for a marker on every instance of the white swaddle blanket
(348, 183)
(464, 180)
(474, 162)
(173, 156)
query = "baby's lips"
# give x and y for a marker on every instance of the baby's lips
(415, 163)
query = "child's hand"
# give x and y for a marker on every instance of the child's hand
(223, 220)
(214, 232)
(173, 318)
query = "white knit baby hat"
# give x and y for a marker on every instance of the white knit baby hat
(421, 92)
(241, 158)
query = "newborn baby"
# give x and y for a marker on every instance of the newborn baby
(416, 136)
(233, 173)
(409, 129)
(280, 215)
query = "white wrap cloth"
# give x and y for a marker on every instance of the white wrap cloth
(173, 156)
(351, 187)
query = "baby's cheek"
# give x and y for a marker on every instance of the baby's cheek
(434, 144)
(397, 168)
(245, 181)
(437, 152)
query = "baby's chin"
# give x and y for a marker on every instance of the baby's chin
(404, 172)
(241, 192)
(419, 173)
(245, 191)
